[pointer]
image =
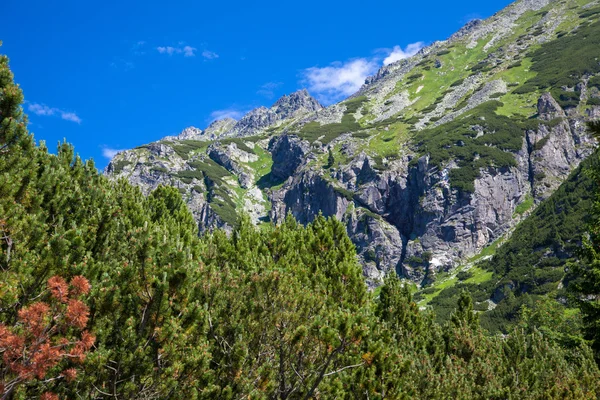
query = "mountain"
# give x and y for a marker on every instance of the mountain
(531, 264)
(435, 158)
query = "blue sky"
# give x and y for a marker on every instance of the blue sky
(109, 75)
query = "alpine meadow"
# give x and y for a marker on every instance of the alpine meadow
(434, 235)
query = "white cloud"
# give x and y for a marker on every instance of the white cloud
(232, 112)
(69, 116)
(44, 110)
(41, 109)
(342, 79)
(268, 89)
(398, 53)
(209, 55)
(338, 80)
(110, 153)
(167, 50)
(187, 51)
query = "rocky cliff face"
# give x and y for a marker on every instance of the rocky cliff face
(436, 157)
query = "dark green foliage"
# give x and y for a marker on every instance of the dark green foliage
(587, 285)
(413, 120)
(593, 101)
(326, 133)
(443, 53)
(210, 169)
(361, 135)
(218, 196)
(119, 165)
(514, 65)
(280, 312)
(330, 158)
(159, 169)
(456, 141)
(457, 83)
(183, 148)
(565, 98)
(482, 67)
(594, 82)
(414, 77)
(562, 62)
(429, 109)
(240, 143)
(538, 31)
(532, 262)
(464, 275)
(541, 143)
(462, 104)
(347, 194)
(590, 12)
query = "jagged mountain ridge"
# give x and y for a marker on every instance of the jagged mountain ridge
(433, 157)
(286, 108)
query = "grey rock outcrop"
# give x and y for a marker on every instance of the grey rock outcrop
(548, 108)
(288, 107)
(288, 153)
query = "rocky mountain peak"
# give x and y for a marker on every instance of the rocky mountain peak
(287, 107)
(299, 101)
(190, 133)
(220, 126)
(468, 28)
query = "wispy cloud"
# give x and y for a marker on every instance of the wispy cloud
(398, 53)
(187, 51)
(232, 112)
(338, 80)
(209, 55)
(46, 111)
(69, 116)
(342, 79)
(41, 109)
(268, 89)
(110, 152)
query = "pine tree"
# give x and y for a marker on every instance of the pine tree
(587, 287)
(330, 158)
(48, 340)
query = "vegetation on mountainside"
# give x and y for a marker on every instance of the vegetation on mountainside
(531, 264)
(478, 140)
(314, 131)
(563, 62)
(280, 312)
(586, 286)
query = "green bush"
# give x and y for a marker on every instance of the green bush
(119, 165)
(562, 62)
(326, 133)
(464, 275)
(456, 141)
